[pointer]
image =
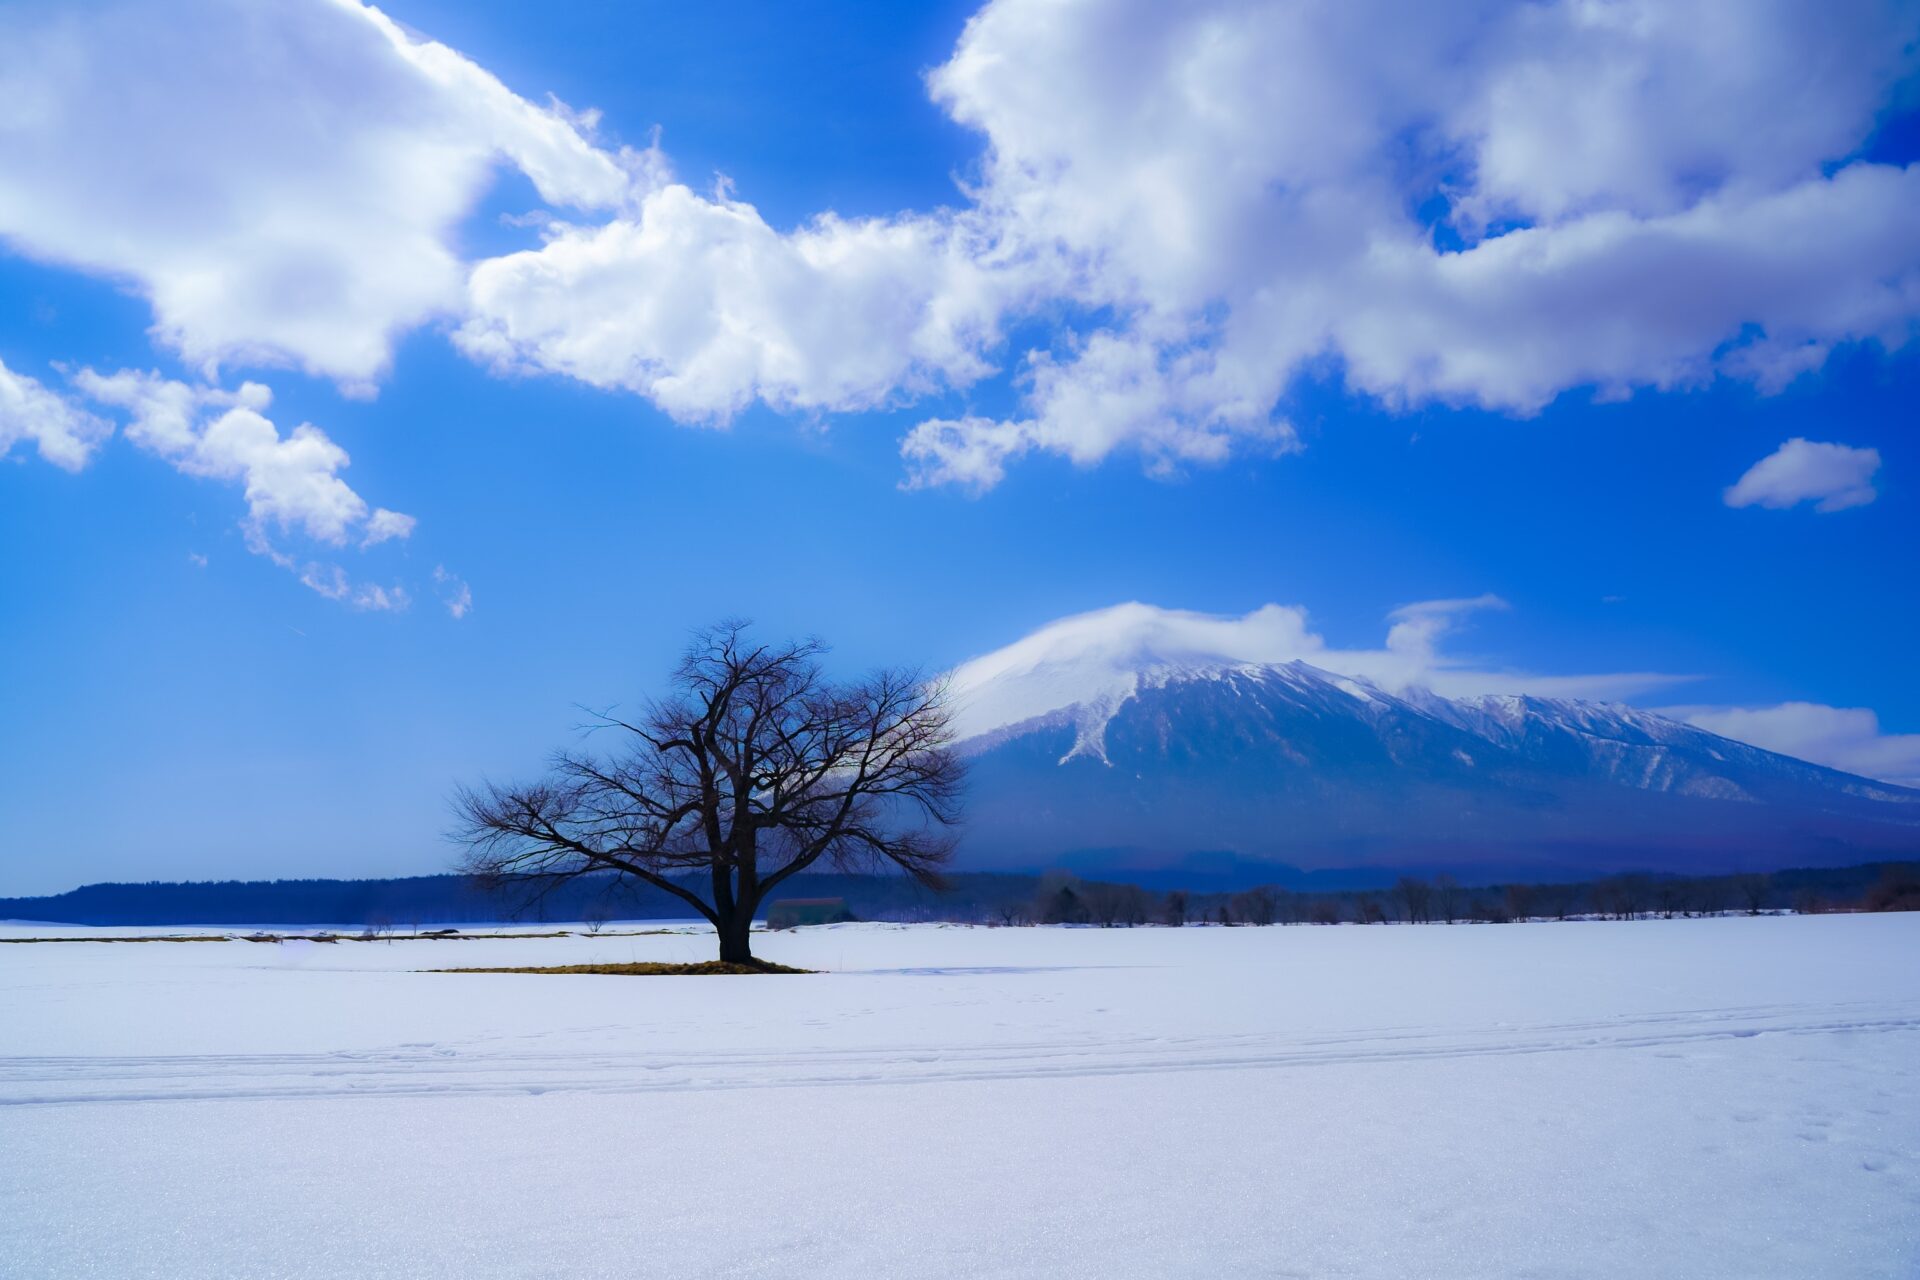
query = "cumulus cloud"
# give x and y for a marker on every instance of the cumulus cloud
(65, 434)
(701, 306)
(1094, 659)
(291, 482)
(383, 525)
(1832, 476)
(1112, 392)
(1194, 205)
(1477, 203)
(1845, 738)
(281, 181)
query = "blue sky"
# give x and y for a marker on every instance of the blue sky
(1360, 341)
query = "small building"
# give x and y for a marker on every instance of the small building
(791, 913)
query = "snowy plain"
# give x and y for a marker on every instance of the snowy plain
(1721, 1097)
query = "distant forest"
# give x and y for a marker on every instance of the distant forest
(1053, 898)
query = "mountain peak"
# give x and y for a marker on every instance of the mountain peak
(1090, 663)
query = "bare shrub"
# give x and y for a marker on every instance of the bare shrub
(1898, 890)
(1174, 908)
(1751, 891)
(1416, 899)
(1258, 905)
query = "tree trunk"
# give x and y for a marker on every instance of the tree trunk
(735, 940)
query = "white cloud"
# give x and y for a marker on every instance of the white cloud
(332, 582)
(1845, 738)
(702, 307)
(1639, 195)
(1095, 658)
(1834, 476)
(1417, 627)
(291, 483)
(1113, 392)
(65, 434)
(1196, 205)
(281, 181)
(455, 594)
(384, 525)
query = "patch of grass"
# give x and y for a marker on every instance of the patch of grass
(175, 937)
(446, 936)
(645, 968)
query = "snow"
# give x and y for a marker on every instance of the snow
(1722, 1097)
(1082, 670)
(1093, 662)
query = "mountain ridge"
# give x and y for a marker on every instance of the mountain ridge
(1159, 758)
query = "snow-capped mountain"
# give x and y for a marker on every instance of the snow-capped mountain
(1142, 739)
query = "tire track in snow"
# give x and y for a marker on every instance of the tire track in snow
(437, 1070)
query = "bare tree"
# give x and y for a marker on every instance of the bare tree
(1106, 903)
(1446, 893)
(1634, 890)
(1556, 900)
(1753, 890)
(1416, 898)
(1058, 900)
(1519, 901)
(1259, 905)
(755, 768)
(1174, 908)
(1898, 889)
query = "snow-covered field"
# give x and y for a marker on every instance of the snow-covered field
(1727, 1097)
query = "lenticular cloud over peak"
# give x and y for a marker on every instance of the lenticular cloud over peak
(1097, 660)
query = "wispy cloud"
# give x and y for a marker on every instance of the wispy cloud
(454, 592)
(1094, 656)
(65, 434)
(1846, 738)
(292, 482)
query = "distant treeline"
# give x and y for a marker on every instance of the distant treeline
(1442, 899)
(1053, 898)
(452, 899)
